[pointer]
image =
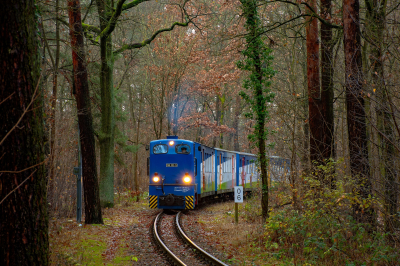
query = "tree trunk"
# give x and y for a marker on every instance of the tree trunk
(106, 136)
(89, 171)
(218, 115)
(54, 103)
(305, 157)
(316, 119)
(257, 62)
(131, 109)
(221, 121)
(135, 173)
(176, 112)
(327, 93)
(236, 124)
(356, 121)
(376, 12)
(23, 202)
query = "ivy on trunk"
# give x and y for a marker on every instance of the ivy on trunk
(258, 63)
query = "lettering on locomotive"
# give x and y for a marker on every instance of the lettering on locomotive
(172, 165)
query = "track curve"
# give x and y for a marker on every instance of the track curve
(202, 252)
(159, 241)
(173, 256)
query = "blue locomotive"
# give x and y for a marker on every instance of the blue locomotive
(182, 172)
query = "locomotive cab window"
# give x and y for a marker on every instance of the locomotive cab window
(160, 149)
(182, 149)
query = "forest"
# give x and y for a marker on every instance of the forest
(315, 82)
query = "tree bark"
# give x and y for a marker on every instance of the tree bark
(136, 172)
(218, 115)
(106, 136)
(23, 202)
(327, 93)
(89, 171)
(376, 12)
(221, 120)
(54, 104)
(236, 123)
(356, 121)
(315, 113)
(258, 64)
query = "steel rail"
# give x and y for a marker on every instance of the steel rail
(208, 256)
(162, 245)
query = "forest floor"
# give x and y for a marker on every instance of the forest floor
(124, 239)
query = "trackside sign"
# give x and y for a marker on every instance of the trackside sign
(239, 194)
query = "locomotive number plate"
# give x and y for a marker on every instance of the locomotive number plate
(172, 165)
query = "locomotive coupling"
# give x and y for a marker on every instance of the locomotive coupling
(171, 200)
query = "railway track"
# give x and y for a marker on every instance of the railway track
(168, 234)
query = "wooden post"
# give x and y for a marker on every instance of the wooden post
(236, 213)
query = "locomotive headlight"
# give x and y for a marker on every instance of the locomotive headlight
(171, 143)
(187, 178)
(156, 178)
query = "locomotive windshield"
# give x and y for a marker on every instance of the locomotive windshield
(160, 149)
(182, 148)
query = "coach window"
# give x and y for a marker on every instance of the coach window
(160, 149)
(182, 148)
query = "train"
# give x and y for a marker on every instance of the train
(182, 172)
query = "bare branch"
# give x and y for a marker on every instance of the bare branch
(112, 22)
(133, 4)
(23, 170)
(7, 97)
(149, 40)
(312, 14)
(17, 187)
(25, 111)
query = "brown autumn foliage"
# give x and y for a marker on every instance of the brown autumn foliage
(186, 82)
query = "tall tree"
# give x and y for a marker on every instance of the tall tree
(316, 117)
(106, 136)
(23, 202)
(375, 27)
(258, 62)
(356, 121)
(109, 13)
(327, 71)
(238, 110)
(54, 96)
(89, 171)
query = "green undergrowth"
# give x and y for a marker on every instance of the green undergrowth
(319, 230)
(322, 231)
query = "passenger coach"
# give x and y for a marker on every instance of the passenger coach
(182, 172)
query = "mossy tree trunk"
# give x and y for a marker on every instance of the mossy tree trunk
(106, 136)
(23, 201)
(257, 62)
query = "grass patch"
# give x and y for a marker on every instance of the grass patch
(108, 244)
